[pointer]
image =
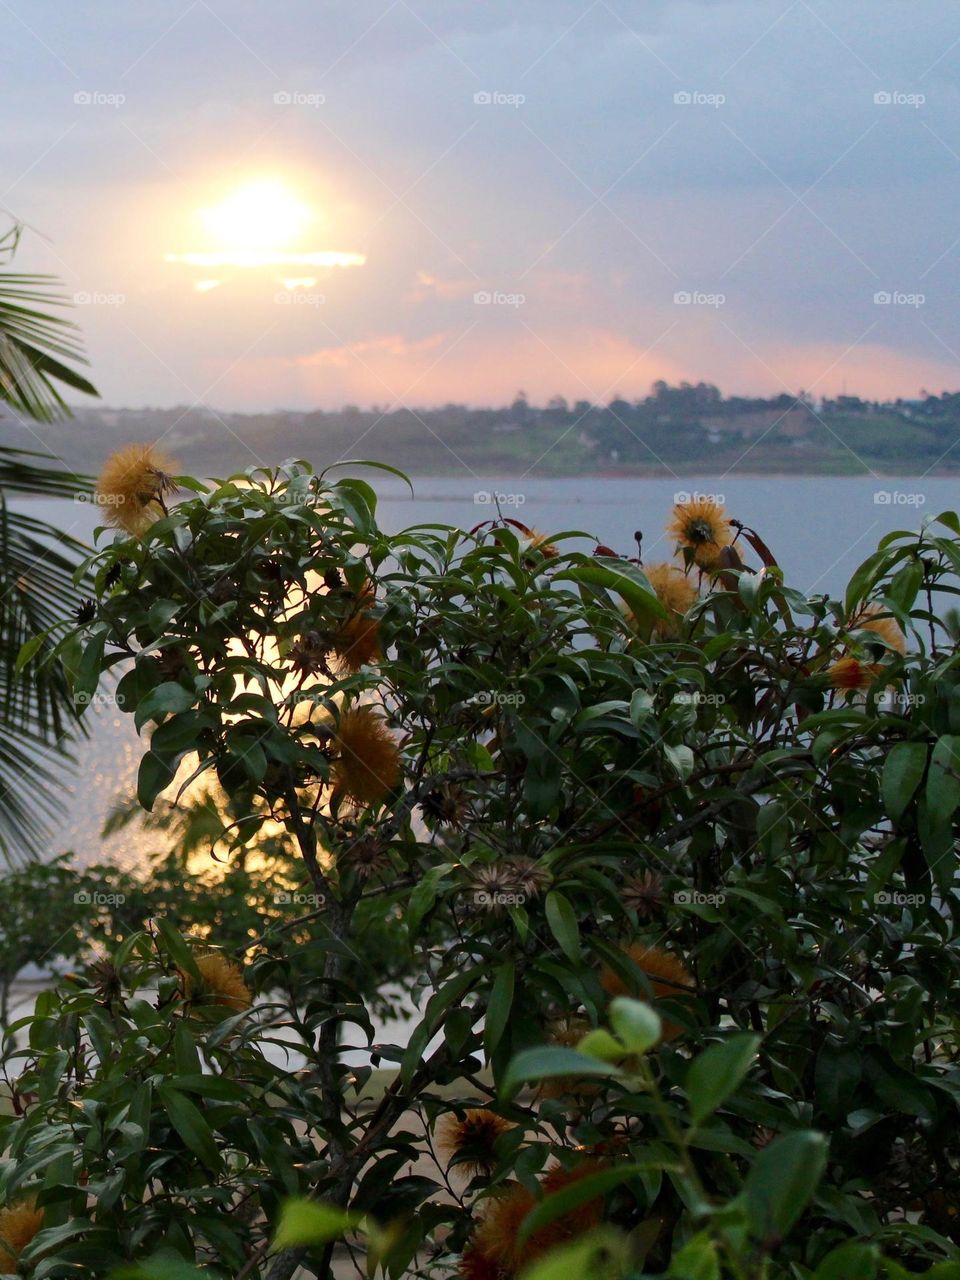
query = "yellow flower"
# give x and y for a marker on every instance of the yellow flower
(675, 592)
(703, 527)
(873, 617)
(19, 1223)
(367, 762)
(221, 982)
(470, 1139)
(131, 487)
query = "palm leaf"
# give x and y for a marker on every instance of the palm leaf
(37, 561)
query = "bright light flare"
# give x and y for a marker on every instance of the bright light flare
(262, 216)
(260, 224)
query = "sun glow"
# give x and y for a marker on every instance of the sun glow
(261, 216)
(260, 224)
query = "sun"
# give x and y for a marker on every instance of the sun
(260, 217)
(262, 224)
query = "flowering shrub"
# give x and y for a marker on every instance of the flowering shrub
(558, 784)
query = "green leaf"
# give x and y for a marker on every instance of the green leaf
(191, 1126)
(562, 920)
(499, 1006)
(637, 1024)
(600, 1044)
(902, 772)
(29, 650)
(163, 1269)
(601, 1255)
(716, 1073)
(87, 674)
(165, 699)
(697, 1260)
(619, 576)
(179, 950)
(550, 1062)
(850, 1261)
(782, 1181)
(185, 1054)
(943, 782)
(422, 898)
(155, 774)
(378, 466)
(310, 1222)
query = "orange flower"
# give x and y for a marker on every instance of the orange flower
(131, 487)
(357, 642)
(495, 1239)
(703, 527)
(367, 764)
(872, 617)
(470, 1139)
(19, 1223)
(474, 1266)
(221, 982)
(585, 1216)
(534, 540)
(852, 675)
(669, 978)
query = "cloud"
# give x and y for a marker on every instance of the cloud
(731, 145)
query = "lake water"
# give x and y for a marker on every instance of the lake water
(820, 529)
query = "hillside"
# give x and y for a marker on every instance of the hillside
(681, 430)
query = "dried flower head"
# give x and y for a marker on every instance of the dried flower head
(85, 612)
(873, 617)
(668, 976)
(530, 877)
(309, 652)
(19, 1223)
(170, 661)
(132, 485)
(106, 980)
(366, 766)
(851, 675)
(644, 895)
(493, 888)
(366, 858)
(221, 983)
(470, 1139)
(444, 805)
(702, 527)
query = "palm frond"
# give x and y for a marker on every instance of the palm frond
(38, 561)
(35, 346)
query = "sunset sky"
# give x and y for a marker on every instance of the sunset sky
(306, 204)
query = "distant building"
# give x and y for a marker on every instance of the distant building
(789, 424)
